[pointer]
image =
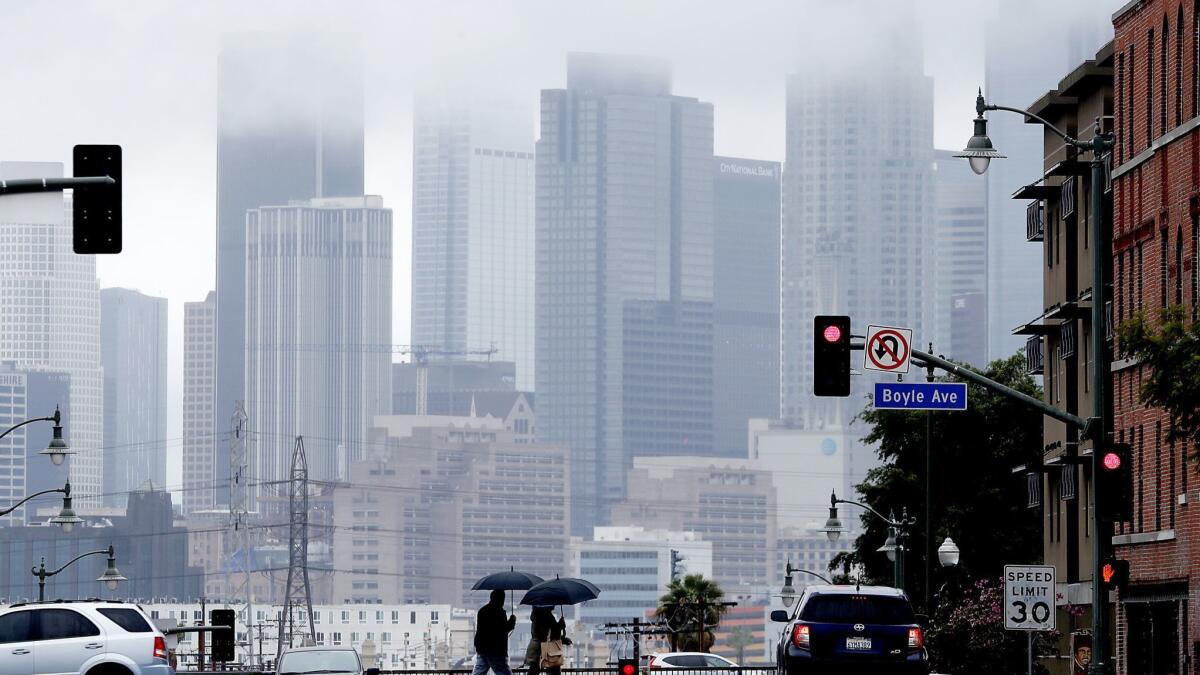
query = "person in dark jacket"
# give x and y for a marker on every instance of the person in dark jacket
(545, 627)
(492, 626)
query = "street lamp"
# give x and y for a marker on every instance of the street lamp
(1095, 427)
(66, 517)
(788, 592)
(948, 553)
(894, 547)
(111, 577)
(58, 449)
(979, 151)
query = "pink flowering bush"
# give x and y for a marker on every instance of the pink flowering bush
(967, 633)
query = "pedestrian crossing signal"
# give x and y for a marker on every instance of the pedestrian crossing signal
(1114, 573)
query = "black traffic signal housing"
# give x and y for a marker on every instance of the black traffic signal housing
(831, 356)
(627, 666)
(1114, 573)
(223, 640)
(97, 208)
(1113, 474)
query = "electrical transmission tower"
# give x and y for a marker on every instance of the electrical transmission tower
(297, 593)
(239, 563)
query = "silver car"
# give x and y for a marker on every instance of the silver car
(322, 661)
(80, 638)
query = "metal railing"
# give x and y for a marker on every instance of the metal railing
(604, 670)
(1035, 226)
(1034, 355)
(1068, 196)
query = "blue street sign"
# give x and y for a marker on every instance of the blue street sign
(921, 395)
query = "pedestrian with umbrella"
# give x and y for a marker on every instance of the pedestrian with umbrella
(511, 580)
(492, 626)
(547, 637)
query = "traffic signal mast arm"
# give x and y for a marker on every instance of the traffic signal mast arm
(23, 185)
(930, 361)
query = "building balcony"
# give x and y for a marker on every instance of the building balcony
(1035, 226)
(1066, 339)
(1034, 349)
(1068, 197)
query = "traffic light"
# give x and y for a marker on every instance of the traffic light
(222, 640)
(1114, 573)
(627, 667)
(1114, 482)
(676, 565)
(97, 208)
(831, 356)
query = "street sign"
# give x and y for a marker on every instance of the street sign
(1029, 597)
(887, 349)
(921, 395)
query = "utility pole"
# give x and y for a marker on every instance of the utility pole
(200, 653)
(238, 560)
(297, 591)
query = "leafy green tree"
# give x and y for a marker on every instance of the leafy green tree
(690, 607)
(968, 636)
(975, 497)
(1171, 348)
(740, 638)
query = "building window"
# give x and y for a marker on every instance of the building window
(1163, 269)
(1162, 79)
(1196, 58)
(1119, 93)
(1195, 260)
(1178, 267)
(1117, 299)
(1149, 87)
(1179, 68)
(1129, 102)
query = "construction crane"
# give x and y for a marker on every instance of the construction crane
(419, 354)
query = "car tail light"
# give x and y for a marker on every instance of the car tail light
(916, 638)
(801, 636)
(160, 648)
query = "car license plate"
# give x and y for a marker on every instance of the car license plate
(858, 644)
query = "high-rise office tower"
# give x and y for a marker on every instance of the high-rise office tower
(1023, 60)
(746, 213)
(50, 314)
(318, 331)
(624, 273)
(200, 472)
(961, 237)
(857, 204)
(289, 126)
(472, 253)
(133, 351)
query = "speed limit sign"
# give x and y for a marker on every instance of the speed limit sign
(1029, 597)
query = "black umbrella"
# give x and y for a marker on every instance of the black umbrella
(511, 580)
(565, 591)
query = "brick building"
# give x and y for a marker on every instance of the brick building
(1155, 213)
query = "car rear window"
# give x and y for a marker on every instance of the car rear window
(130, 620)
(857, 609)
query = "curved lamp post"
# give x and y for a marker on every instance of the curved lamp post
(66, 516)
(110, 578)
(895, 546)
(788, 592)
(58, 448)
(980, 152)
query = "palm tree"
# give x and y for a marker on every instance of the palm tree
(691, 608)
(740, 638)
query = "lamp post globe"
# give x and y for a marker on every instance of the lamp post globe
(112, 576)
(979, 151)
(948, 553)
(889, 546)
(58, 448)
(833, 527)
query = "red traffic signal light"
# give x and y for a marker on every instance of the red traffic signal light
(1112, 461)
(626, 667)
(831, 355)
(832, 333)
(1114, 482)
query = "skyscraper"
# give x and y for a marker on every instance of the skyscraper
(133, 351)
(857, 198)
(1023, 60)
(472, 253)
(289, 126)
(961, 240)
(200, 470)
(746, 207)
(318, 331)
(624, 268)
(50, 313)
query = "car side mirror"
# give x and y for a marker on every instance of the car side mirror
(372, 671)
(922, 620)
(780, 616)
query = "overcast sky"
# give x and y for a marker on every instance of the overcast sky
(143, 74)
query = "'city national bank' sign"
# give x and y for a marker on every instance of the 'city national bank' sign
(746, 170)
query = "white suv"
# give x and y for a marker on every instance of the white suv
(80, 638)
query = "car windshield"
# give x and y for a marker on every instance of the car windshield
(339, 661)
(857, 609)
